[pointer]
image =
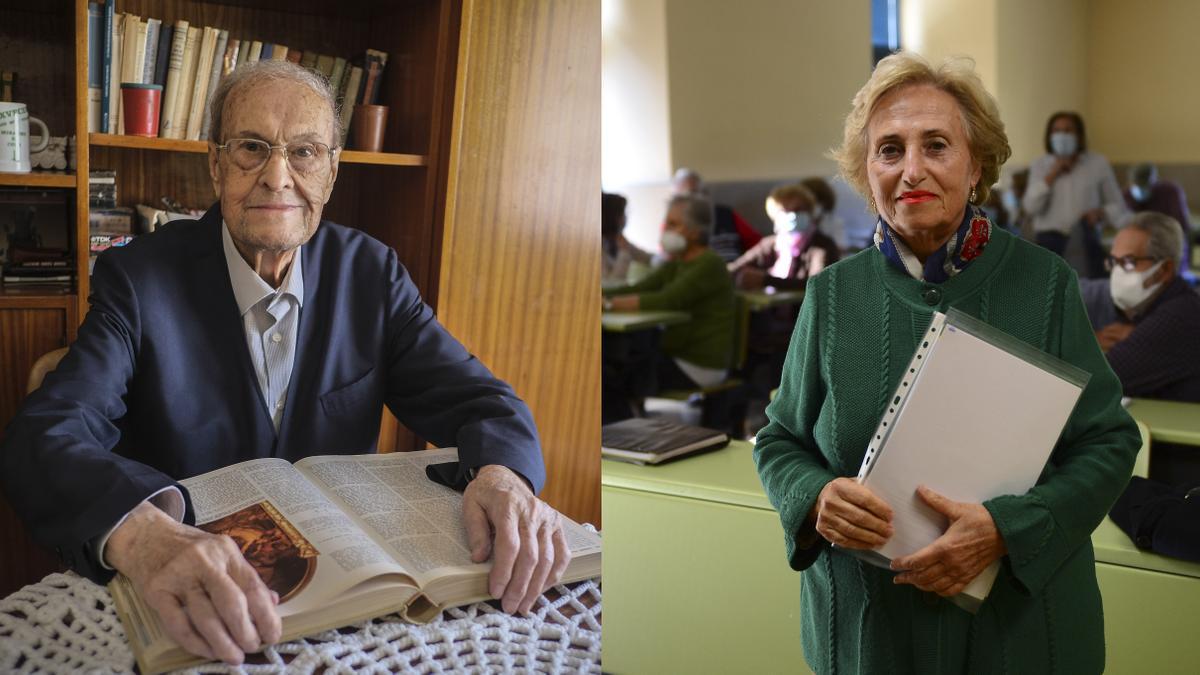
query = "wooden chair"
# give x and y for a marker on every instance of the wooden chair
(45, 363)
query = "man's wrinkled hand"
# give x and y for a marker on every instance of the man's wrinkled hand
(522, 534)
(210, 600)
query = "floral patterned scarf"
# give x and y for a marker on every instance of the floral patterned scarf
(953, 257)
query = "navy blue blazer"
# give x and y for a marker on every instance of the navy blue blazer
(159, 385)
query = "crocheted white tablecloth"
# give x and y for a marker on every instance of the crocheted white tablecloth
(67, 624)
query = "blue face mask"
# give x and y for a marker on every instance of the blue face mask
(1064, 143)
(1139, 193)
(795, 221)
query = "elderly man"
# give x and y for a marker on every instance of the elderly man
(1152, 347)
(259, 330)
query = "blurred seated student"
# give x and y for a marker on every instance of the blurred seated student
(690, 355)
(1147, 192)
(796, 251)
(1153, 347)
(618, 255)
(731, 235)
(828, 221)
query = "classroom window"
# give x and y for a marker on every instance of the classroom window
(885, 28)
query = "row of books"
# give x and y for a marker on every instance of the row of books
(189, 62)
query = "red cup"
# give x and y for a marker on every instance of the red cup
(141, 108)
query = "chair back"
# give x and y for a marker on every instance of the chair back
(1141, 466)
(45, 363)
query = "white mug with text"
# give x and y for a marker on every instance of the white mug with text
(14, 137)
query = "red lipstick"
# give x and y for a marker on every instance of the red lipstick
(916, 196)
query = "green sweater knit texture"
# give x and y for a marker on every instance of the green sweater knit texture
(703, 288)
(857, 330)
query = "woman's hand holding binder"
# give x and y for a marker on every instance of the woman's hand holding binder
(850, 515)
(953, 560)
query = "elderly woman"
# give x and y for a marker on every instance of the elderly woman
(923, 145)
(797, 250)
(694, 280)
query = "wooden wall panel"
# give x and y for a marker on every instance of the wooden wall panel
(25, 334)
(520, 260)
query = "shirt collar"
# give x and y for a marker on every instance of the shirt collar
(953, 257)
(248, 288)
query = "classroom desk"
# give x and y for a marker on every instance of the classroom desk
(627, 322)
(697, 580)
(1169, 421)
(67, 624)
(757, 301)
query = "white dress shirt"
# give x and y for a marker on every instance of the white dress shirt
(1088, 185)
(270, 318)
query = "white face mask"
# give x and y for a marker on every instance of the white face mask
(796, 221)
(1063, 143)
(1126, 287)
(672, 242)
(1139, 193)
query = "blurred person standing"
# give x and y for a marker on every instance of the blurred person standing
(1073, 192)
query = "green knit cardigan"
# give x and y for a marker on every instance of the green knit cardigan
(857, 331)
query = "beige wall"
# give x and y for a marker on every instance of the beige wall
(635, 124)
(759, 88)
(1042, 57)
(1144, 93)
(941, 28)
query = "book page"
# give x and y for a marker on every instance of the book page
(419, 521)
(296, 538)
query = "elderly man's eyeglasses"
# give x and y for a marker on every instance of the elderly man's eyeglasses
(1125, 262)
(305, 157)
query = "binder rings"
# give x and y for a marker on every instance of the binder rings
(975, 416)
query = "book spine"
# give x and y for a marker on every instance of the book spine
(95, 62)
(280, 53)
(187, 82)
(166, 127)
(204, 66)
(338, 73)
(325, 65)
(131, 65)
(213, 79)
(353, 83)
(268, 51)
(294, 55)
(162, 56)
(895, 405)
(309, 59)
(151, 60)
(256, 48)
(232, 54)
(112, 63)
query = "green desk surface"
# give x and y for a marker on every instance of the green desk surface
(1169, 421)
(726, 476)
(759, 300)
(625, 322)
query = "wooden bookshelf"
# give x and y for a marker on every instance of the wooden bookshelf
(38, 179)
(172, 145)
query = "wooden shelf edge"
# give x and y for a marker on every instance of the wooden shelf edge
(174, 145)
(57, 179)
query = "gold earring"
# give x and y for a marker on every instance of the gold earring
(972, 197)
(871, 203)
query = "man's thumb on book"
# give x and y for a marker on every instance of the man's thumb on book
(479, 532)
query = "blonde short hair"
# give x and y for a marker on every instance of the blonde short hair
(955, 76)
(787, 193)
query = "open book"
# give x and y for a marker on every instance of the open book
(341, 539)
(975, 417)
